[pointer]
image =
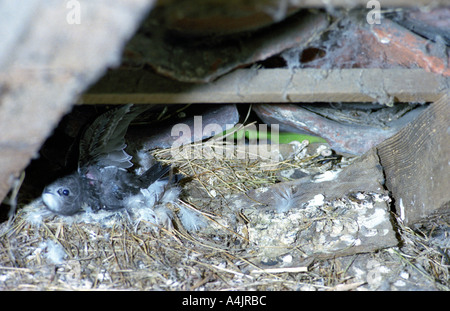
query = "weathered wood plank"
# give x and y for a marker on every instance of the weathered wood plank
(416, 165)
(371, 227)
(272, 85)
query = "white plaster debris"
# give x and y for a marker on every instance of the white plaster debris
(402, 209)
(373, 220)
(263, 189)
(370, 232)
(318, 200)
(399, 283)
(287, 173)
(321, 226)
(326, 176)
(287, 259)
(350, 240)
(385, 40)
(360, 196)
(404, 275)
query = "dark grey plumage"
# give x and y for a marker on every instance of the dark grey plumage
(102, 180)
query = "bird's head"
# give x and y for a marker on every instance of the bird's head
(63, 196)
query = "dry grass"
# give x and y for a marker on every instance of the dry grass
(224, 168)
(427, 250)
(142, 257)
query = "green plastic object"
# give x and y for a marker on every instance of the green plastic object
(283, 138)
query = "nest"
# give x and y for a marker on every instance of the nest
(41, 251)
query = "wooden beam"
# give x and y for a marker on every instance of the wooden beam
(416, 165)
(272, 85)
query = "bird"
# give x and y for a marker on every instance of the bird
(102, 180)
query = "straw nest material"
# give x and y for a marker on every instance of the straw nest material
(41, 251)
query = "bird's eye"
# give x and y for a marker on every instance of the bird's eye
(64, 192)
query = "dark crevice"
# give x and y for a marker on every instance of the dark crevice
(392, 209)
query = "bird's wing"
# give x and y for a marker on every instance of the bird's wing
(103, 143)
(154, 173)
